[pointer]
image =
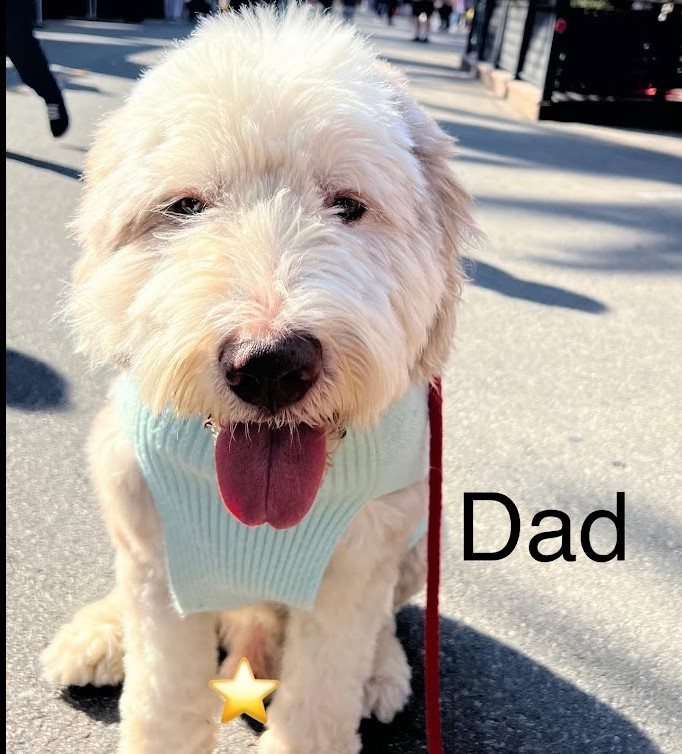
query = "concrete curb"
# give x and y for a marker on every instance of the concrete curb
(525, 98)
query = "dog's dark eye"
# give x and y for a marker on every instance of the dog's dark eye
(348, 209)
(187, 206)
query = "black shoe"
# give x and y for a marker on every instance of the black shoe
(416, 39)
(59, 118)
(425, 40)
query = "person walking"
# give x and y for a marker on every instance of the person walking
(173, 10)
(445, 12)
(422, 10)
(458, 10)
(349, 8)
(29, 60)
(392, 7)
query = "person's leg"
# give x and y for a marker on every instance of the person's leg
(416, 12)
(27, 56)
(426, 23)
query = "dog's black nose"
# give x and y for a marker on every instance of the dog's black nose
(274, 374)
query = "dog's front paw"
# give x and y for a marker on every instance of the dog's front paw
(388, 688)
(89, 649)
(273, 742)
(270, 743)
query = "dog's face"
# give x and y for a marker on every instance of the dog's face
(271, 229)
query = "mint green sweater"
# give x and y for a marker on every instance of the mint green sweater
(217, 563)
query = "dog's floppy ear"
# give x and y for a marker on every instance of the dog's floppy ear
(104, 153)
(451, 205)
(111, 204)
(96, 219)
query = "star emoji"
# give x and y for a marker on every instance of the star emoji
(243, 694)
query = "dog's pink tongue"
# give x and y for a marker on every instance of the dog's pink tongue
(270, 475)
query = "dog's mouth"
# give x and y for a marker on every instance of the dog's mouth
(268, 474)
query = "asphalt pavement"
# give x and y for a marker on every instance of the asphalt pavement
(564, 388)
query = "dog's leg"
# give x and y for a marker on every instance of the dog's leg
(412, 575)
(89, 649)
(387, 690)
(255, 632)
(166, 704)
(329, 652)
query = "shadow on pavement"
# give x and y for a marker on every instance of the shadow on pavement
(494, 279)
(89, 50)
(98, 703)
(658, 225)
(497, 701)
(33, 385)
(44, 164)
(549, 146)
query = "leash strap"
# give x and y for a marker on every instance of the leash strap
(434, 734)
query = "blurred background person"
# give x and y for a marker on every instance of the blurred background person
(349, 8)
(422, 10)
(173, 10)
(445, 13)
(468, 17)
(392, 8)
(29, 60)
(458, 10)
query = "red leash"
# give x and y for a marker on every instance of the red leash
(434, 734)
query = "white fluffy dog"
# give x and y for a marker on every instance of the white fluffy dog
(270, 199)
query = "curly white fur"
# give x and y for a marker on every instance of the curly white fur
(265, 119)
